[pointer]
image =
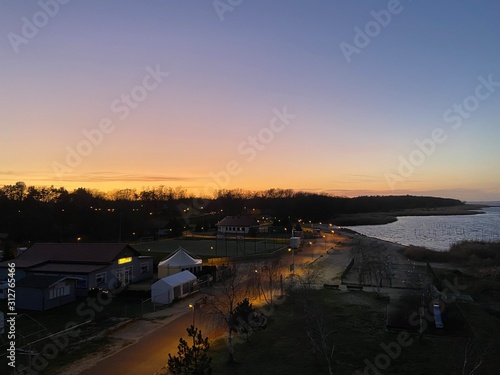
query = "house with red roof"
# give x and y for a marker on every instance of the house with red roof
(237, 225)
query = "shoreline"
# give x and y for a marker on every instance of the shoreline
(381, 218)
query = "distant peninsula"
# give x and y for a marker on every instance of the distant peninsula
(379, 218)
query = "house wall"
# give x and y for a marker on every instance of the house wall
(80, 285)
(20, 273)
(29, 298)
(50, 303)
(136, 270)
(234, 229)
(39, 299)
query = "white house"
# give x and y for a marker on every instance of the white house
(237, 224)
(173, 287)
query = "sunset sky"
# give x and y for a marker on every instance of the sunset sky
(341, 97)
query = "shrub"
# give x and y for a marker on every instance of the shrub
(422, 254)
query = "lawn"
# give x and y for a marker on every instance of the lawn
(357, 323)
(206, 247)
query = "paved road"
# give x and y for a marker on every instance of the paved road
(147, 355)
(150, 353)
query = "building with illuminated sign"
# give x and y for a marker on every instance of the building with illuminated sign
(92, 265)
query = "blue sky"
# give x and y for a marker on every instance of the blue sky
(353, 122)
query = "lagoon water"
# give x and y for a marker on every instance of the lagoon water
(438, 232)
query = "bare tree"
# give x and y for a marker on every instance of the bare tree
(269, 277)
(320, 337)
(316, 325)
(224, 299)
(307, 277)
(474, 356)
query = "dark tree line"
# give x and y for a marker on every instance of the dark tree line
(31, 213)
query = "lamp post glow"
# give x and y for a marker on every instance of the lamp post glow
(257, 275)
(292, 266)
(191, 306)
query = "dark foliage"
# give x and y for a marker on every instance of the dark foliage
(191, 360)
(30, 213)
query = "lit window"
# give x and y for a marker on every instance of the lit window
(124, 260)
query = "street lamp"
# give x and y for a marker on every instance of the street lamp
(191, 306)
(292, 266)
(257, 275)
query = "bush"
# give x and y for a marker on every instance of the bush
(464, 252)
(421, 254)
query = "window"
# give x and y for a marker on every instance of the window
(100, 278)
(186, 288)
(144, 267)
(59, 290)
(81, 283)
(124, 260)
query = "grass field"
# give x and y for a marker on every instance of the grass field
(210, 247)
(357, 323)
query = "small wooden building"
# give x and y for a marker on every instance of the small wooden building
(237, 225)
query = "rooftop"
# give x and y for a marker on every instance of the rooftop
(87, 253)
(238, 221)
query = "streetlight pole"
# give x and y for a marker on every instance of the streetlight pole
(292, 267)
(258, 281)
(191, 306)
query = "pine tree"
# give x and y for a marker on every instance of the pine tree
(191, 360)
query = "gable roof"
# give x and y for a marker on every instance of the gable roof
(68, 268)
(180, 258)
(89, 253)
(238, 221)
(178, 278)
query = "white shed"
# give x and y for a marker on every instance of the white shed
(179, 261)
(177, 286)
